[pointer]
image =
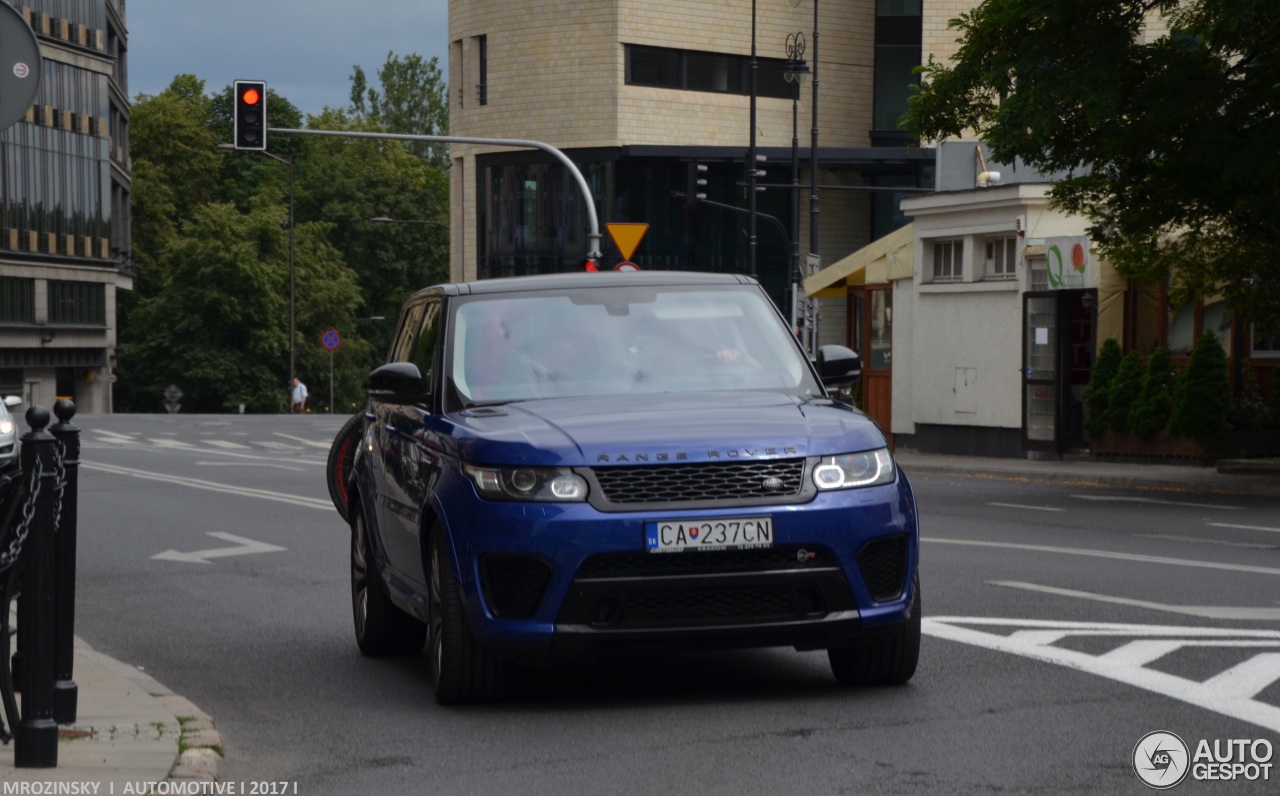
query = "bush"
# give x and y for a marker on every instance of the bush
(1202, 396)
(1096, 395)
(1151, 412)
(1251, 412)
(1125, 390)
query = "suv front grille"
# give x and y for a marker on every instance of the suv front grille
(702, 482)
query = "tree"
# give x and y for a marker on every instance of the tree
(1150, 413)
(1098, 392)
(1202, 396)
(1125, 389)
(414, 100)
(1181, 188)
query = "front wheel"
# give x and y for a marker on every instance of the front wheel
(888, 660)
(461, 670)
(381, 627)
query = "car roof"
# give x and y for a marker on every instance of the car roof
(576, 279)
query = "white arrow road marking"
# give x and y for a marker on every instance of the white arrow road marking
(1229, 693)
(1119, 499)
(1078, 551)
(304, 441)
(212, 486)
(251, 464)
(1227, 612)
(244, 547)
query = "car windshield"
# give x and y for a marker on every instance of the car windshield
(616, 341)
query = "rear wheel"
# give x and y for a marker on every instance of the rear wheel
(342, 455)
(381, 627)
(888, 660)
(461, 670)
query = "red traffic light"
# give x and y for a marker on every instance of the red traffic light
(250, 97)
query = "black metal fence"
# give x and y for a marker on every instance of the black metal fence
(38, 570)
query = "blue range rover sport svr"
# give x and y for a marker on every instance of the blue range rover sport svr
(578, 464)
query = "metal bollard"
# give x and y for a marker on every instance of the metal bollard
(65, 690)
(36, 736)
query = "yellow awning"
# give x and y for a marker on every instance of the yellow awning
(888, 258)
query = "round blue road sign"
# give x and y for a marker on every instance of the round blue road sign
(331, 339)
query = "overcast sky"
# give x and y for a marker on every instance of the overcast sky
(304, 49)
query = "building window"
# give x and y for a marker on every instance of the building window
(1267, 345)
(948, 261)
(1002, 258)
(482, 88)
(17, 300)
(692, 70)
(77, 303)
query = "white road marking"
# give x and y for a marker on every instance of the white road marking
(1169, 537)
(304, 441)
(195, 483)
(1119, 499)
(1077, 551)
(243, 547)
(1243, 527)
(111, 436)
(1020, 506)
(1229, 693)
(1226, 612)
(169, 443)
(252, 464)
(222, 443)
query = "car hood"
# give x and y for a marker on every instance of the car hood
(696, 427)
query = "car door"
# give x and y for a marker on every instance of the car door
(411, 463)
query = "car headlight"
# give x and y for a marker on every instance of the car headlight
(869, 468)
(556, 484)
(6, 426)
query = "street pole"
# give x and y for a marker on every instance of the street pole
(751, 157)
(795, 72)
(330, 381)
(293, 342)
(811, 331)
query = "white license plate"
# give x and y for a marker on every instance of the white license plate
(732, 533)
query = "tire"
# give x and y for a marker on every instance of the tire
(462, 671)
(342, 454)
(381, 628)
(888, 660)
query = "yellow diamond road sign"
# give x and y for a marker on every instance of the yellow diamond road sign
(627, 237)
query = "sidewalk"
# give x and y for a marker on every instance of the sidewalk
(131, 731)
(1234, 477)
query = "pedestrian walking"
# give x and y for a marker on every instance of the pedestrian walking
(299, 396)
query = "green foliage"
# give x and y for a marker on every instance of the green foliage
(1183, 188)
(1125, 390)
(1098, 393)
(210, 309)
(1202, 395)
(1251, 412)
(1151, 412)
(414, 100)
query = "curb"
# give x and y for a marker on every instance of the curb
(1248, 482)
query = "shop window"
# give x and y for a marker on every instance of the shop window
(948, 261)
(1266, 344)
(1001, 258)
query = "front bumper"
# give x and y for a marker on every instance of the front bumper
(567, 579)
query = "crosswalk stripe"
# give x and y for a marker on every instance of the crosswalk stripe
(222, 443)
(1247, 679)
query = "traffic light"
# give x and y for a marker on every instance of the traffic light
(250, 114)
(695, 184)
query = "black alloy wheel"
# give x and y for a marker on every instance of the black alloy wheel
(890, 659)
(462, 671)
(381, 627)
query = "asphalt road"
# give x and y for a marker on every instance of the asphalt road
(1062, 625)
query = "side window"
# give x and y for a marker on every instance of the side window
(407, 333)
(427, 350)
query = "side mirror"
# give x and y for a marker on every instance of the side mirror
(12, 401)
(838, 365)
(395, 382)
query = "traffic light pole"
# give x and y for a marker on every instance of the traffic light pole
(593, 220)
